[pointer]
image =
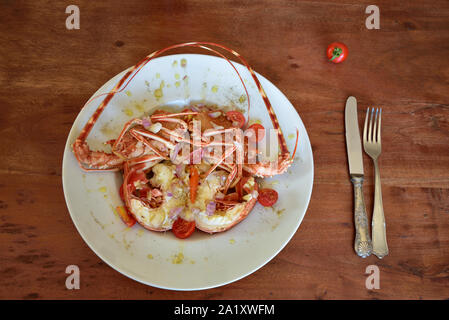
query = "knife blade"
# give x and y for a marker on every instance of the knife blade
(362, 244)
(353, 142)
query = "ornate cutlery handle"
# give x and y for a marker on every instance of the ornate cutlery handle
(380, 247)
(362, 244)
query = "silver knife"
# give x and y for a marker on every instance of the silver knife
(362, 245)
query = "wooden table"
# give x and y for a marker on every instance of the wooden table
(49, 72)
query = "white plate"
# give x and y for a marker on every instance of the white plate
(201, 261)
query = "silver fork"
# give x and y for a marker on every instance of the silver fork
(373, 147)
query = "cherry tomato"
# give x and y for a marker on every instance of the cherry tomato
(337, 52)
(267, 197)
(237, 118)
(259, 131)
(183, 228)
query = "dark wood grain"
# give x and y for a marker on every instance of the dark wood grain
(47, 73)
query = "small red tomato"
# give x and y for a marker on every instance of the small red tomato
(259, 131)
(237, 118)
(267, 197)
(337, 52)
(182, 228)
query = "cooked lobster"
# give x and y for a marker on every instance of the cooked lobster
(187, 169)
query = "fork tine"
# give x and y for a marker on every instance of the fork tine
(378, 126)
(365, 127)
(375, 126)
(370, 129)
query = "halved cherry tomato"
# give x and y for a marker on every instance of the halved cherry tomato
(237, 118)
(259, 131)
(267, 197)
(194, 180)
(183, 228)
(337, 52)
(126, 217)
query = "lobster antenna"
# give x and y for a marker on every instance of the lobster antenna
(109, 95)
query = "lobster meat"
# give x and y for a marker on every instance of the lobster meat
(197, 165)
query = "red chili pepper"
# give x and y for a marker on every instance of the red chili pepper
(194, 180)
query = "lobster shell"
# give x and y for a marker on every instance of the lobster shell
(243, 214)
